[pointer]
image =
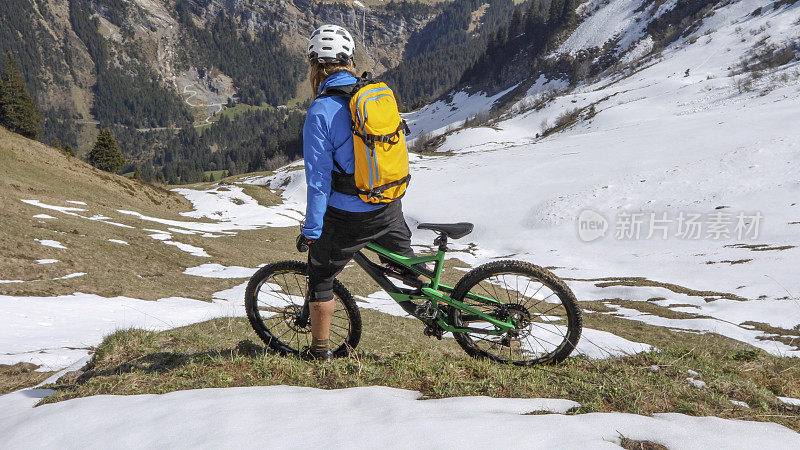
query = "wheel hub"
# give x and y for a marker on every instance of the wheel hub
(289, 316)
(519, 316)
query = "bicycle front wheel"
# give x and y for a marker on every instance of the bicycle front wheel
(274, 299)
(543, 307)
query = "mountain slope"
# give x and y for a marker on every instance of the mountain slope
(80, 220)
(691, 132)
(151, 68)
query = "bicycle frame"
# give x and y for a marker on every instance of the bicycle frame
(433, 290)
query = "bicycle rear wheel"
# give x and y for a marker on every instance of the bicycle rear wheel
(545, 309)
(274, 299)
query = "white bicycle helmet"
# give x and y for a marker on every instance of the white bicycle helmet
(331, 44)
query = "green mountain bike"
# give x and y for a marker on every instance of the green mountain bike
(509, 311)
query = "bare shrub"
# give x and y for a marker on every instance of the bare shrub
(765, 56)
(418, 146)
(743, 84)
(478, 120)
(567, 118)
(544, 127)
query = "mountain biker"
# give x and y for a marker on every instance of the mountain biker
(337, 225)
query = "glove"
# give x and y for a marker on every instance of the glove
(303, 243)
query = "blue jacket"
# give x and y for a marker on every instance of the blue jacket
(327, 134)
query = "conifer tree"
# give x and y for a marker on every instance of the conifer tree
(570, 15)
(105, 154)
(18, 112)
(556, 10)
(68, 150)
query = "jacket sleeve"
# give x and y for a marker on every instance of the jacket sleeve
(318, 155)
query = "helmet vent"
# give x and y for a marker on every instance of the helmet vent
(331, 43)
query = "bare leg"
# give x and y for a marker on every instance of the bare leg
(321, 313)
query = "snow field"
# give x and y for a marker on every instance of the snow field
(393, 417)
(662, 142)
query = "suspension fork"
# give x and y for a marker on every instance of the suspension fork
(302, 319)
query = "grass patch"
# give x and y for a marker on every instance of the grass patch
(630, 444)
(215, 175)
(263, 194)
(145, 268)
(761, 247)
(394, 352)
(20, 375)
(644, 282)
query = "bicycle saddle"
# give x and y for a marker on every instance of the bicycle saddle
(451, 230)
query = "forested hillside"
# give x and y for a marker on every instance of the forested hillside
(159, 73)
(531, 41)
(264, 70)
(252, 141)
(436, 56)
(126, 91)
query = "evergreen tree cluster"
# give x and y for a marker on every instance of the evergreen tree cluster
(18, 112)
(262, 68)
(41, 60)
(252, 141)
(436, 57)
(532, 31)
(677, 21)
(105, 155)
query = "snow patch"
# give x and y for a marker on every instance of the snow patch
(63, 209)
(72, 275)
(696, 383)
(50, 243)
(55, 331)
(373, 417)
(188, 248)
(444, 115)
(790, 401)
(213, 270)
(616, 20)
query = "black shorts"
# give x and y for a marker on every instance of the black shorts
(344, 233)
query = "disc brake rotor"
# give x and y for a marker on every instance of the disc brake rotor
(289, 317)
(521, 317)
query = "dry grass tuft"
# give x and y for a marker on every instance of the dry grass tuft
(20, 375)
(394, 352)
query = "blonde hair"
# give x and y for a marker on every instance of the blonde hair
(318, 72)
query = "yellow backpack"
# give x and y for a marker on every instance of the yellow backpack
(379, 140)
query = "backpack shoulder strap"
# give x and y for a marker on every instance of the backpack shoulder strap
(348, 90)
(338, 166)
